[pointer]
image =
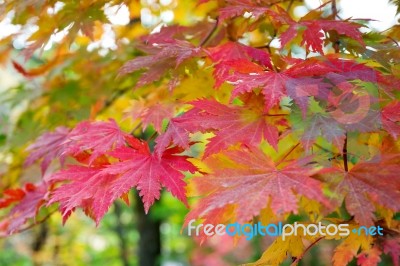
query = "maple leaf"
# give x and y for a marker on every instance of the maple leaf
(363, 185)
(233, 56)
(231, 124)
(325, 126)
(276, 85)
(331, 126)
(347, 70)
(174, 134)
(251, 181)
(179, 128)
(198, 32)
(47, 147)
(11, 196)
(73, 18)
(313, 30)
(391, 118)
(305, 78)
(299, 81)
(236, 8)
(156, 114)
(27, 200)
(370, 257)
(247, 124)
(347, 250)
(278, 251)
(392, 248)
(88, 187)
(152, 113)
(148, 172)
(98, 137)
(162, 57)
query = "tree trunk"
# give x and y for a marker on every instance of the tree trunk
(120, 230)
(150, 239)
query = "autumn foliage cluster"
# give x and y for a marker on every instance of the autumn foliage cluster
(252, 112)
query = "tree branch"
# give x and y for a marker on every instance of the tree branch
(115, 97)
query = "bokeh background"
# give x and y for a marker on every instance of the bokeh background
(67, 88)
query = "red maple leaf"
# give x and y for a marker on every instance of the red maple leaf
(369, 257)
(250, 180)
(163, 57)
(234, 56)
(314, 31)
(179, 128)
(11, 196)
(236, 8)
(362, 186)
(391, 118)
(149, 172)
(27, 200)
(95, 188)
(47, 147)
(197, 32)
(247, 124)
(88, 188)
(392, 248)
(152, 114)
(97, 137)
(276, 85)
(175, 134)
(300, 80)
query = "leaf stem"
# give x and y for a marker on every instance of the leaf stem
(207, 38)
(336, 42)
(288, 153)
(113, 99)
(152, 137)
(346, 166)
(135, 128)
(275, 114)
(289, 6)
(297, 260)
(334, 8)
